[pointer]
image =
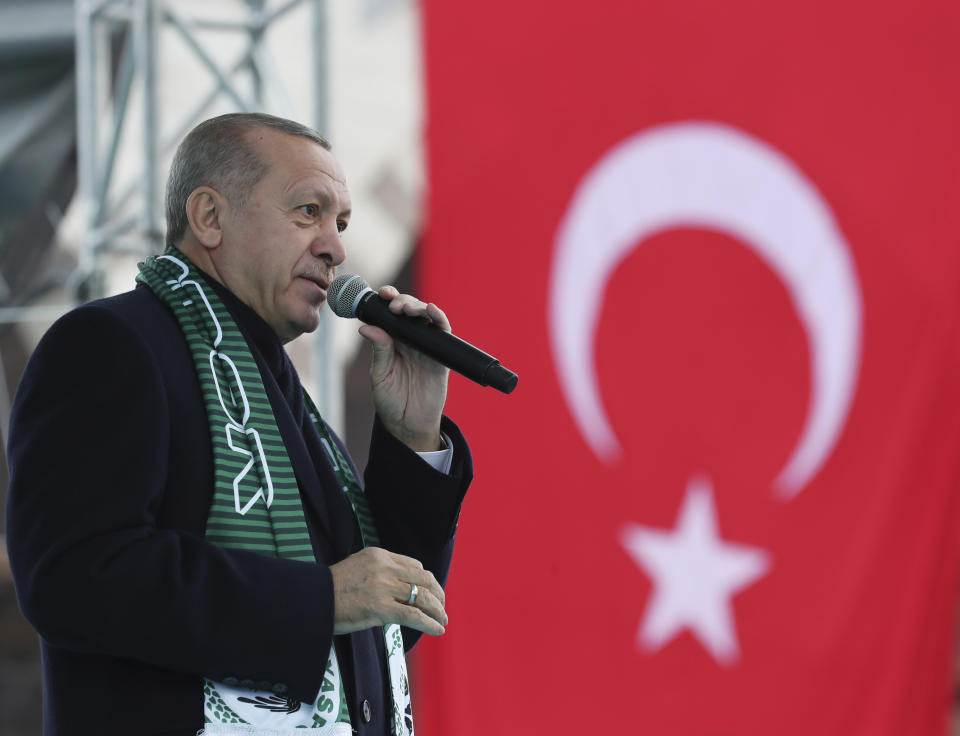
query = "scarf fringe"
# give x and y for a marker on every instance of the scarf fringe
(236, 729)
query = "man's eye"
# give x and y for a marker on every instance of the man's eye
(310, 210)
(341, 225)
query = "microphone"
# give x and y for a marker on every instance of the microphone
(350, 296)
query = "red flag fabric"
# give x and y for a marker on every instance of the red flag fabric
(718, 242)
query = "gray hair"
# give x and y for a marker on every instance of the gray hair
(218, 153)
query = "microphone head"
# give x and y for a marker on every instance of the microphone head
(344, 294)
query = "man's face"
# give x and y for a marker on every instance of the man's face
(280, 252)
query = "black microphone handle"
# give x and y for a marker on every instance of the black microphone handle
(444, 347)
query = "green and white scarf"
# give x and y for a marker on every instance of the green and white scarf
(256, 501)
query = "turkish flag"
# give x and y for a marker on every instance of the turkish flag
(718, 242)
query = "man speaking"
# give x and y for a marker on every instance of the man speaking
(186, 533)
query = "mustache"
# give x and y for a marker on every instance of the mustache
(319, 273)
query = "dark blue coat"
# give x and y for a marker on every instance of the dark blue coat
(111, 482)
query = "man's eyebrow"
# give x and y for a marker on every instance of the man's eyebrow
(299, 196)
(315, 195)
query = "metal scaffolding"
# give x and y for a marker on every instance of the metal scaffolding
(117, 49)
(117, 52)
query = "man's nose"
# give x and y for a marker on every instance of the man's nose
(328, 246)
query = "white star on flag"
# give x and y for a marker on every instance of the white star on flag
(695, 574)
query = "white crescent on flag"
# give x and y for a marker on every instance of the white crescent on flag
(711, 176)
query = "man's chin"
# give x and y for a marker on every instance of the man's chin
(307, 324)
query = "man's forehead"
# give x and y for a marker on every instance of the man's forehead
(313, 186)
(289, 150)
(301, 167)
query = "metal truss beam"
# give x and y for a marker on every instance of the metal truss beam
(117, 53)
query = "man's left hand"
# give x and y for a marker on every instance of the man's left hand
(409, 389)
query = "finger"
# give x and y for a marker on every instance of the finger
(408, 305)
(438, 317)
(377, 336)
(405, 303)
(414, 618)
(403, 591)
(383, 351)
(414, 307)
(429, 583)
(427, 586)
(430, 597)
(410, 570)
(431, 605)
(424, 580)
(426, 583)
(388, 292)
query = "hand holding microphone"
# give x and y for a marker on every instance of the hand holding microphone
(350, 296)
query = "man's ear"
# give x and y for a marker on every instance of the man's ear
(205, 208)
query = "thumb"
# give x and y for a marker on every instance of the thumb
(383, 349)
